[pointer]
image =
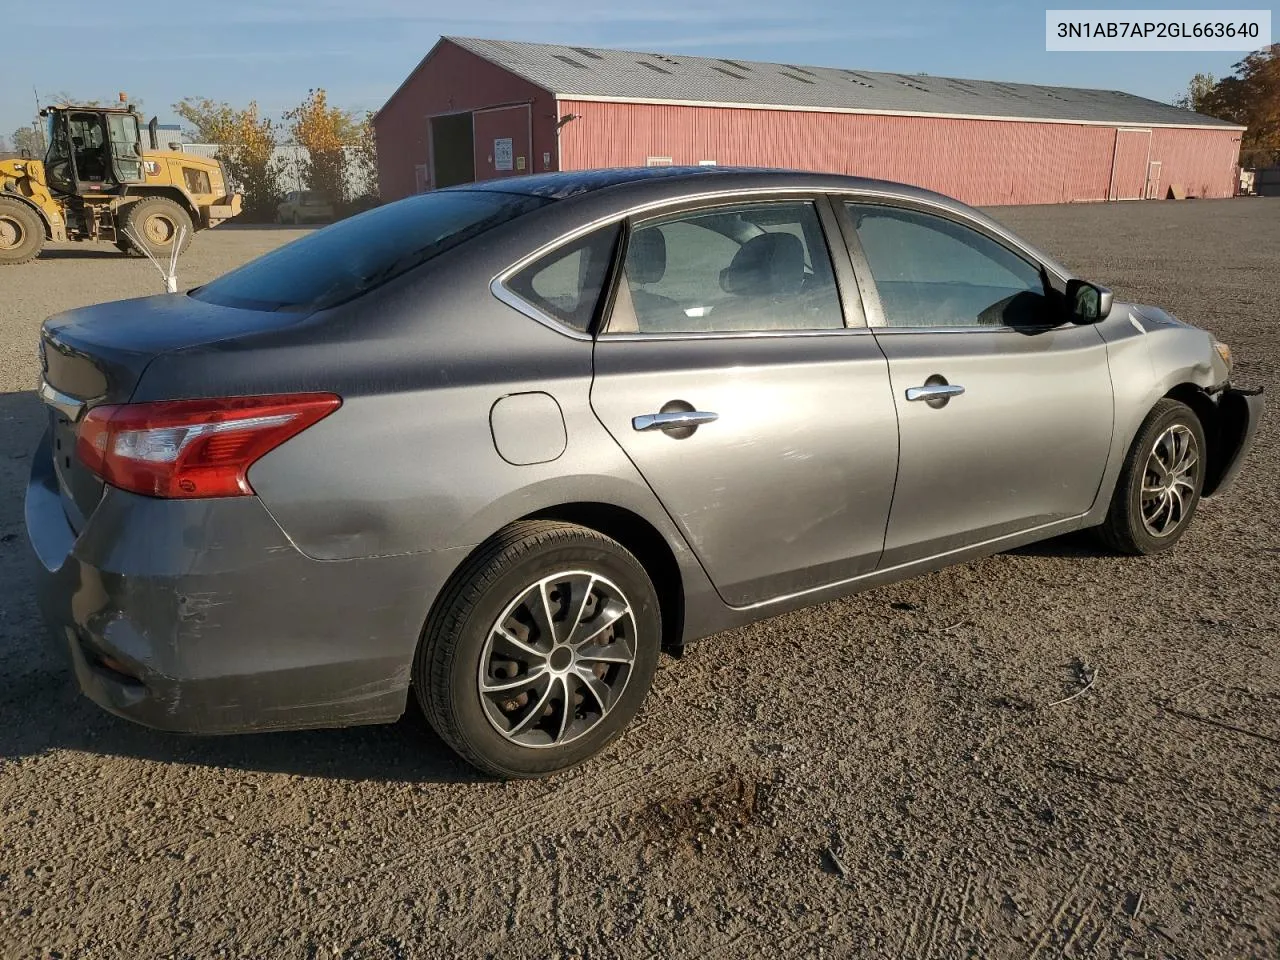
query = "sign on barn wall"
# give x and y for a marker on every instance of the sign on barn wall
(502, 154)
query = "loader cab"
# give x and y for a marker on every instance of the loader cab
(93, 150)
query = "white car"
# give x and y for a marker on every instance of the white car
(304, 206)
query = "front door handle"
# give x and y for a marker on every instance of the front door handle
(934, 391)
(675, 420)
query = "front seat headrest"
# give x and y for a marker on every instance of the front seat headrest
(647, 256)
(769, 265)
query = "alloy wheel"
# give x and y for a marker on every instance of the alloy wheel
(1169, 480)
(557, 659)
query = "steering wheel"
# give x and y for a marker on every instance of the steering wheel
(59, 174)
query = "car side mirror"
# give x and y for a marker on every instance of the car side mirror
(1087, 302)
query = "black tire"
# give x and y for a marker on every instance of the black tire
(157, 222)
(1125, 529)
(448, 664)
(21, 232)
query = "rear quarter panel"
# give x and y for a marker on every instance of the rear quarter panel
(408, 464)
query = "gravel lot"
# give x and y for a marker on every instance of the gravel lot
(885, 775)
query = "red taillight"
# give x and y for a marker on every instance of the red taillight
(183, 449)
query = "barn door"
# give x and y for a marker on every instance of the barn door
(1129, 165)
(502, 146)
(1153, 180)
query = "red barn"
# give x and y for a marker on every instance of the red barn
(480, 109)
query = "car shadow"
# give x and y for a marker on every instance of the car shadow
(1079, 544)
(41, 709)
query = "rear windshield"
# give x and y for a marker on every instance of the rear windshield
(312, 196)
(356, 255)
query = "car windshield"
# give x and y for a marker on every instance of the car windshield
(355, 255)
(312, 196)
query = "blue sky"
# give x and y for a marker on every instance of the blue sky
(360, 50)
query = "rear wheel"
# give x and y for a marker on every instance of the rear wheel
(157, 222)
(1159, 485)
(21, 232)
(541, 649)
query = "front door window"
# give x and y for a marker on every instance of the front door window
(934, 272)
(125, 154)
(89, 147)
(57, 161)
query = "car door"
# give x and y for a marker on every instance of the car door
(1004, 410)
(763, 423)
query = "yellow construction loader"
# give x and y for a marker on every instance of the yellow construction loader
(97, 183)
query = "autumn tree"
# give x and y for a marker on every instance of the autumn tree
(1250, 97)
(325, 132)
(246, 144)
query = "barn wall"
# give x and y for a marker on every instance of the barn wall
(452, 79)
(1202, 161)
(983, 162)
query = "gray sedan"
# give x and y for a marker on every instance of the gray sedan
(496, 447)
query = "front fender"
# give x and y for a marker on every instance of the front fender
(1148, 358)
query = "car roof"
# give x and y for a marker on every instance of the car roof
(673, 181)
(598, 194)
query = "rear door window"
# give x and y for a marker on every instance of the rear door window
(359, 254)
(744, 268)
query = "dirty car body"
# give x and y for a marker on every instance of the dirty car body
(804, 417)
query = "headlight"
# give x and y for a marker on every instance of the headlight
(1224, 352)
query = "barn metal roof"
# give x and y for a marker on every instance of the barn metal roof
(596, 73)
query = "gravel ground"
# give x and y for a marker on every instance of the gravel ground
(886, 775)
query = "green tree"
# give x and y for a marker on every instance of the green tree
(246, 142)
(1196, 96)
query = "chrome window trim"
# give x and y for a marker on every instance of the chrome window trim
(504, 293)
(498, 285)
(734, 334)
(974, 328)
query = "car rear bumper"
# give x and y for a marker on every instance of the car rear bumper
(200, 616)
(1239, 411)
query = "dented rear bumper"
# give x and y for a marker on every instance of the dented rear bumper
(200, 616)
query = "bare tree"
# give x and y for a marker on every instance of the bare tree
(28, 140)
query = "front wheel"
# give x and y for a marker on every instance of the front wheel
(540, 651)
(21, 232)
(1159, 485)
(157, 222)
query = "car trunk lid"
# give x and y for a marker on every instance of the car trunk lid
(96, 355)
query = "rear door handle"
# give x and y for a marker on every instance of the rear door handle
(934, 391)
(675, 420)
